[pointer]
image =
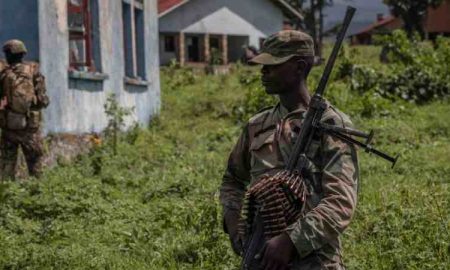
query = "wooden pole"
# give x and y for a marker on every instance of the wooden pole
(207, 51)
(225, 49)
(181, 49)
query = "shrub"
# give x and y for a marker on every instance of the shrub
(255, 97)
(417, 72)
(116, 115)
(178, 76)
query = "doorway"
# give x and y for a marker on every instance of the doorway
(193, 48)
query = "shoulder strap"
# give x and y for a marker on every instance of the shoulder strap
(265, 109)
(332, 113)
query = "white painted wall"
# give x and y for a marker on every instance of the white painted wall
(253, 18)
(224, 21)
(81, 110)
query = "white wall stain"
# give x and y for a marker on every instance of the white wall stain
(61, 14)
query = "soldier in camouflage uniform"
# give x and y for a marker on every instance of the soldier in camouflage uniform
(23, 96)
(264, 148)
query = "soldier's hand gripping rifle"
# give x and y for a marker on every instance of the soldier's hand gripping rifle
(274, 202)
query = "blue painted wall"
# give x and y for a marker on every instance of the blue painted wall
(19, 20)
(77, 105)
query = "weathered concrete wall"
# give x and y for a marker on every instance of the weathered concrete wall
(61, 149)
(253, 18)
(77, 105)
(19, 20)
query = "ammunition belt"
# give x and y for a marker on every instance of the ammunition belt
(279, 199)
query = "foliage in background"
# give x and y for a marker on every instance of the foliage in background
(154, 205)
(413, 13)
(255, 97)
(179, 75)
(417, 71)
(215, 57)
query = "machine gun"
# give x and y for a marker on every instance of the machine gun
(274, 202)
(317, 107)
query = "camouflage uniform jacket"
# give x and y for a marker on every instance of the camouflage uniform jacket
(32, 70)
(30, 138)
(264, 147)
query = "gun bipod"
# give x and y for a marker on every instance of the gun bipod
(345, 135)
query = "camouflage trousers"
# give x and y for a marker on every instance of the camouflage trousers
(31, 142)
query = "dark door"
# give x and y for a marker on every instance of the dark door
(193, 49)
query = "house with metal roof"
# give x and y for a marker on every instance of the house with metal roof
(197, 31)
(437, 22)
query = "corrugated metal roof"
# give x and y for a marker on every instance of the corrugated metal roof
(375, 25)
(167, 5)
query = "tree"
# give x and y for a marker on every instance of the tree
(313, 22)
(317, 7)
(412, 12)
(314, 19)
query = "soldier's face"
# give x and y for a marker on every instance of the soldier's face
(13, 58)
(282, 78)
(8, 56)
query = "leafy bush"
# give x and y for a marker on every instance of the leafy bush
(417, 72)
(179, 76)
(255, 97)
(116, 115)
(416, 84)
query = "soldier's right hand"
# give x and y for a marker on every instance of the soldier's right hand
(278, 252)
(231, 227)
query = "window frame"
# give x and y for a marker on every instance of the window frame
(85, 10)
(134, 42)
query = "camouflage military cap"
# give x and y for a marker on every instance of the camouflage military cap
(14, 46)
(284, 45)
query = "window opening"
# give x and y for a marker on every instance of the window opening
(169, 43)
(80, 36)
(134, 39)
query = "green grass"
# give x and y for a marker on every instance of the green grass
(155, 204)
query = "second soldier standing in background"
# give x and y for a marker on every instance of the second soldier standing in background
(23, 96)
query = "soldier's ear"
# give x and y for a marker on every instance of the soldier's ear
(301, 66)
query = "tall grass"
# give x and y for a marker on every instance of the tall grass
(154, 205)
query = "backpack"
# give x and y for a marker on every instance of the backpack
(18, 87)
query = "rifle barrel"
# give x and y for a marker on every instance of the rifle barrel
(317, 105)
(339, 40)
